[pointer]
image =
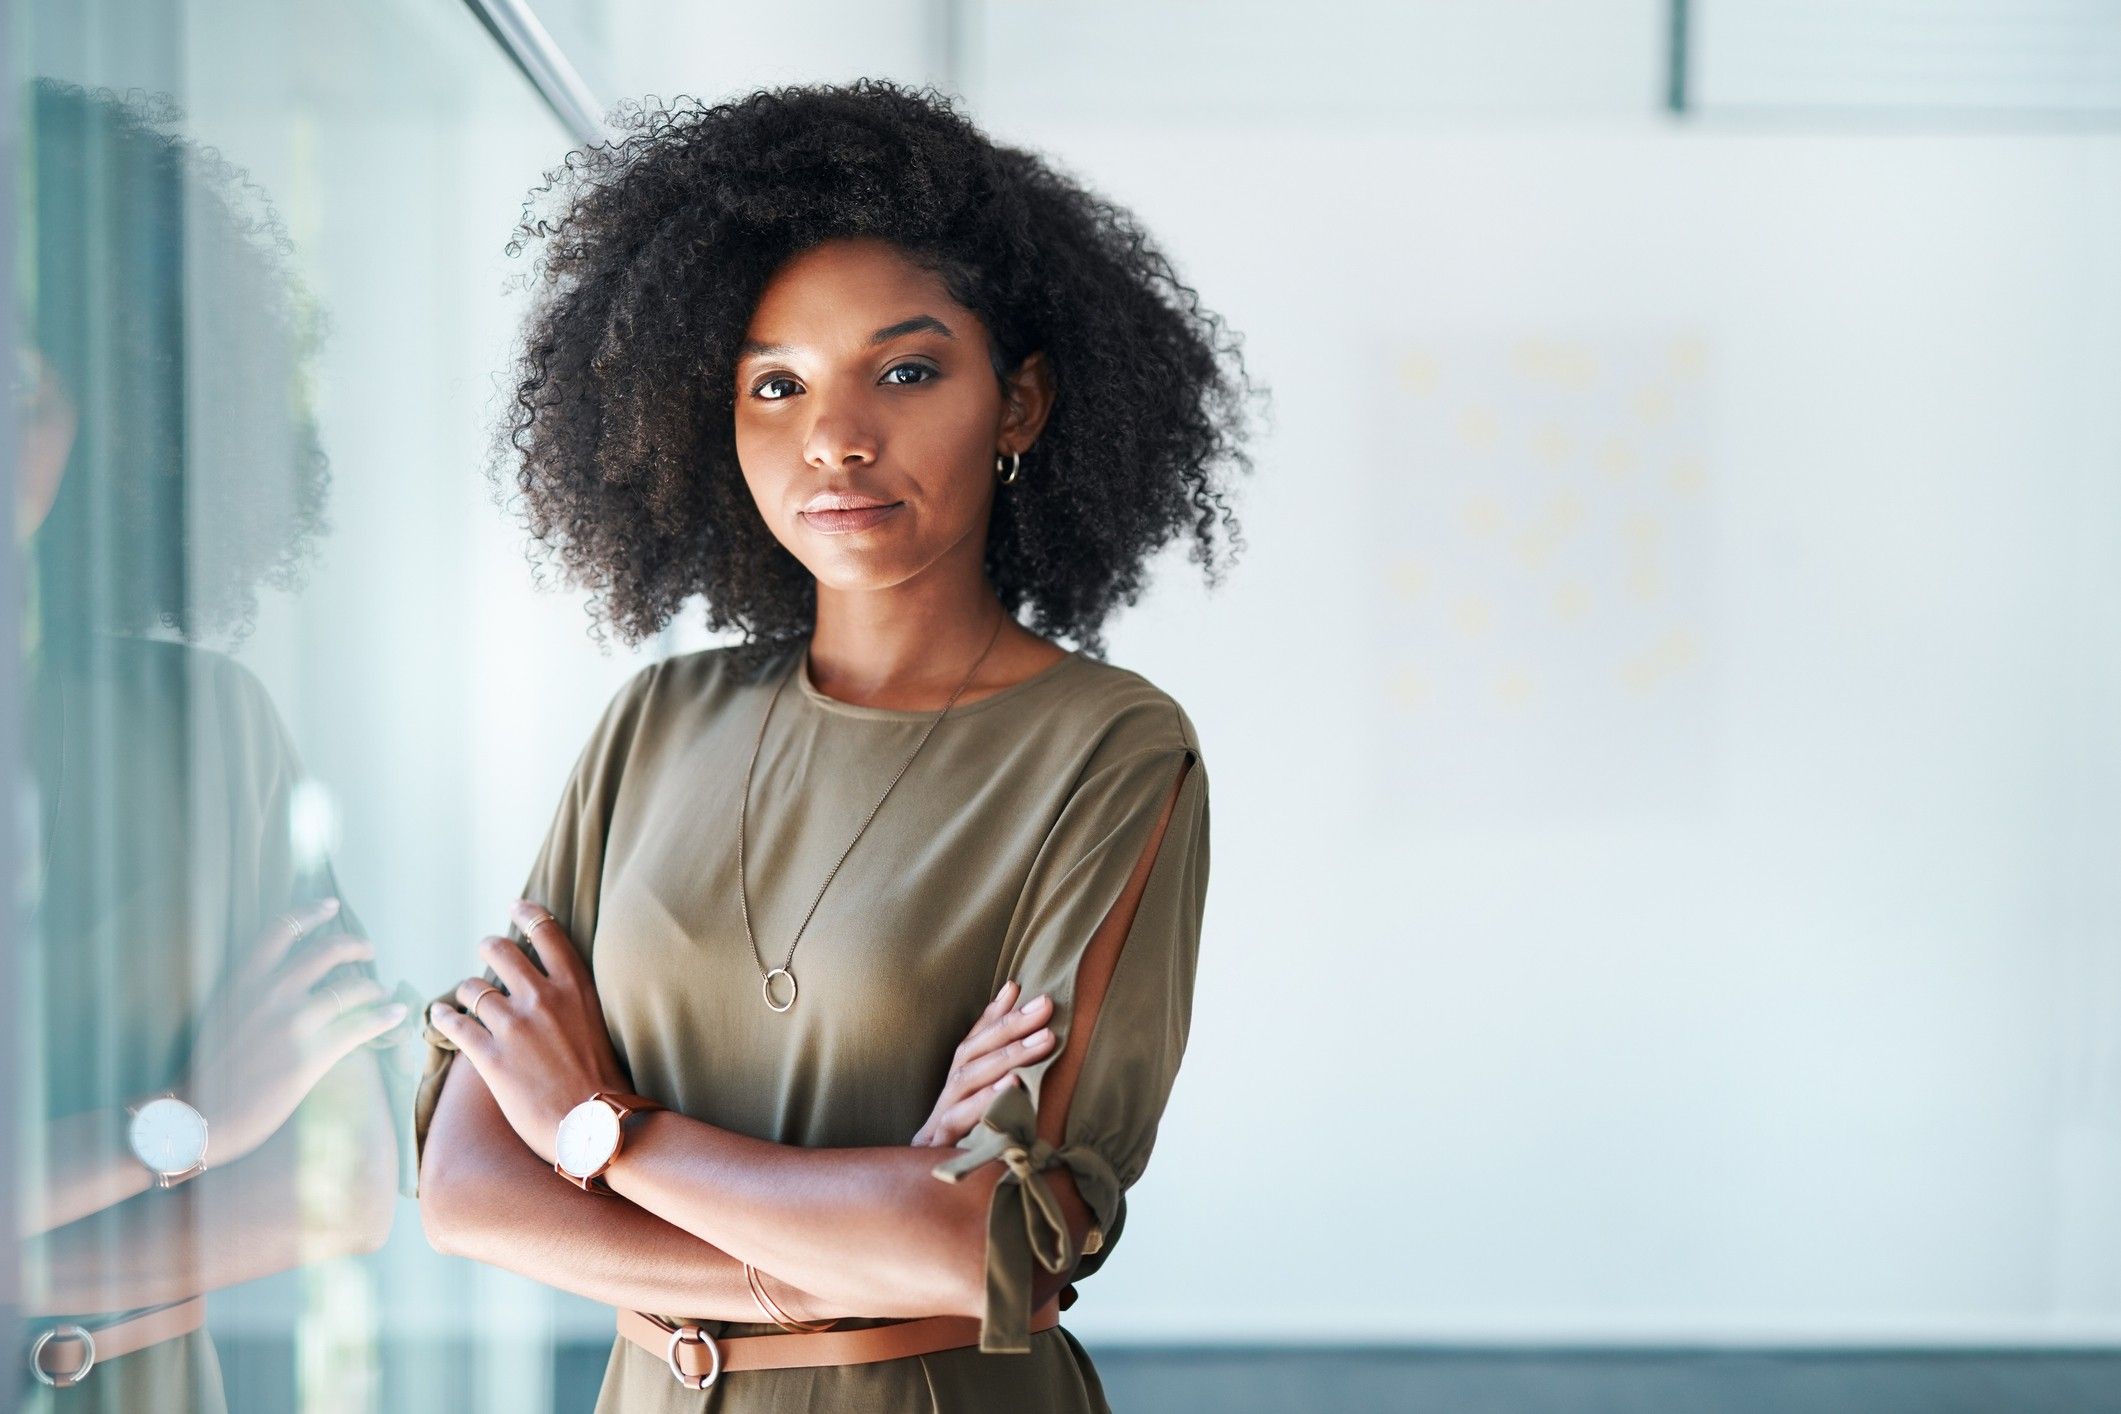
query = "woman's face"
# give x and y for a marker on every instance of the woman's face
(860, 378)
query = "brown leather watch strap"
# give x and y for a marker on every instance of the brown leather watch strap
(626, 1102)
(65, 1351)
(691, 1353)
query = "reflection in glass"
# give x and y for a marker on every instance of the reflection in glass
(205, 1102)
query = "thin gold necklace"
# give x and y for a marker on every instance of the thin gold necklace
(744, 809)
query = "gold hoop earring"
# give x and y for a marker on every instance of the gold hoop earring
(1016, 460)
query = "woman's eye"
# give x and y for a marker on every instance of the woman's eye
(926, 373)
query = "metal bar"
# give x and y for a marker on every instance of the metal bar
(1675, 96)
(946, 45)
(518, 32)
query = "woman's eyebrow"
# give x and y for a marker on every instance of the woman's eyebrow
(919, 323)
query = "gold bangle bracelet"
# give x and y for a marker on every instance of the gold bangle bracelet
(774, 1313)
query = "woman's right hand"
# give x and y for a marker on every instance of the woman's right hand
(985, 1064)
(271, 1032)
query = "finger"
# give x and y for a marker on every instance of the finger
(463, 1033)
(1020, 1022)
(994, 1010)
(358, 1027)
(510, 963)
(556, 950)
(999, 1005)
(490, 1012)
(283, 932)
(319, 1009)
(961, 1118)
(978, 1074)
(308, 966)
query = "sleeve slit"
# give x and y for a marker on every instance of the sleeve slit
(1094, 972)
(1031, 1236)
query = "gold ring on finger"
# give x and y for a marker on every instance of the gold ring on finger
(294, 925)
(491, 991)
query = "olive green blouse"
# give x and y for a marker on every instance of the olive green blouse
(995, 856)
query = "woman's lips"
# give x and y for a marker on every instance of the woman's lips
(840, 522)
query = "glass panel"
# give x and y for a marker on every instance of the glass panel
(260, 255)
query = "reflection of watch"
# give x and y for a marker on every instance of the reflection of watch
(169, 1137)
(590, 1135)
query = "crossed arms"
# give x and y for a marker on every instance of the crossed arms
(865, 1232)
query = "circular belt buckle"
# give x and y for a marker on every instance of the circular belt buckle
(88, 1361)
(677, 1338)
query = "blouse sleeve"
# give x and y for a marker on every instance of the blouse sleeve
(1104, 1091)
(566, 878)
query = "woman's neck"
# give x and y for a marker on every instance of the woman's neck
(911, 657)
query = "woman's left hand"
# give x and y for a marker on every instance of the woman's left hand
(541, 1045)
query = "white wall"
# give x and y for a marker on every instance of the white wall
(1690, 915)
(1778, 998)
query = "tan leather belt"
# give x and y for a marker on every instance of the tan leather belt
(698, 1359)
(76, 1348)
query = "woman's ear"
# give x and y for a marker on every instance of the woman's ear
(1027, 398)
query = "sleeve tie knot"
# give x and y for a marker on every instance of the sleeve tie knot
(1009, 1132)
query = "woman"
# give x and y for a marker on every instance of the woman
(874, 388)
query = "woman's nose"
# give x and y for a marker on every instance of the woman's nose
(832, 449)
(841, 433)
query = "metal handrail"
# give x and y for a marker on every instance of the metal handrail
(527, 43)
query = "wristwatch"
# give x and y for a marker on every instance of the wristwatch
(168, 1136)
(591, 1134)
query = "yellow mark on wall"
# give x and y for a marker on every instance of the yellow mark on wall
(1616, 458)
(1689, 356)
(1666, 658)
(1565, 365)
(1477, 427)
(1535, 546)
(1475, 617)
(1408, 687)
(1552, 443)
(1572, 601)
(1418, 373)
(1515, 687)
(1408, 577)
(1483, 514)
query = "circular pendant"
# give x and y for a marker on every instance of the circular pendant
(780, 972)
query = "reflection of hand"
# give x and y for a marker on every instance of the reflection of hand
(540, 1045)
(985, 1064)
(271, 1033)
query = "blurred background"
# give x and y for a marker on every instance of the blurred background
(1696, 468)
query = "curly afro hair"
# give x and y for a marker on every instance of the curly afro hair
(621, 431)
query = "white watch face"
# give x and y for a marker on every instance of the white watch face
(168, 1135)
(588, 1137)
